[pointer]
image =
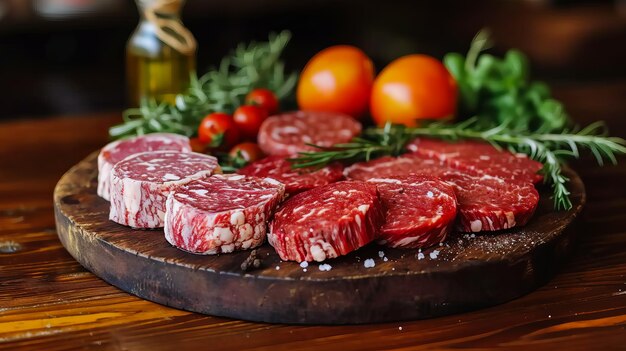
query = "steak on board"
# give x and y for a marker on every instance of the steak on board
(141, 183)
(419, 210)
(489, 203)
(295, 180)
(221, 214)
(289, 133)
(479, 158)
(116, 151)
(326, 222)
(388, 166)
(485, 203)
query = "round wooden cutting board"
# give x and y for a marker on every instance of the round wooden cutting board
(467, 272)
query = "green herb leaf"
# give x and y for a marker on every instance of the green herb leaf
(217, 141)
(222, 89)
(549, 149)
(499, 89)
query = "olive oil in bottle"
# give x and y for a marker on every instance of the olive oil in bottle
(160, 55)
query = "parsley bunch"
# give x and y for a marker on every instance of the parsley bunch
(499, 90)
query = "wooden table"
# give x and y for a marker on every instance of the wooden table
(49, 302)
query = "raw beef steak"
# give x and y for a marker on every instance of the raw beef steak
(326, 222)
(222, 213)
(489, 204)
(485, 203)
(287, 134)
(141, 183)
(419, 210)
(389, 166)
(478, 158)
(295, 180)
(116, 151)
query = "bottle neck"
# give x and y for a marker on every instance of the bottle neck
(166, 9)
(164, 19)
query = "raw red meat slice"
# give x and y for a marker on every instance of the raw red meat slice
(295, 180)
(478, 158)
(326, 222)
(116, 151)
(141, 183)
(419, 210)
(287, 134)
(222, 213)
(388, 166)
(489, 204)
(485, 203)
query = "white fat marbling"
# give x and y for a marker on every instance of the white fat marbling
(237, 218)
(476, 225)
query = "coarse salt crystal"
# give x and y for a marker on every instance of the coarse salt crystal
(385, 259)
(369, 263)
(277, 267)
(399, 328)
(304, 264)
(381, 254)
(325, 267)
(420, 256)
(304, 270)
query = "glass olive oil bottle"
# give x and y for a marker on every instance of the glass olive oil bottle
(161, 53)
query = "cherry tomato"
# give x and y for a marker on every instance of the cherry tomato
(248, 119)
(197, 145)
(413, 87)
(263, 98)
(218, 130)
(248, 151)
(338, 79)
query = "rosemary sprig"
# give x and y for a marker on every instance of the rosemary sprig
(549, 149)
(390, 141)
(256, 65)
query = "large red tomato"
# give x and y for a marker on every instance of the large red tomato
(413, 87)
(337, 79)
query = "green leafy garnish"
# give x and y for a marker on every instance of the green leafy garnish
(499, 90)
(503, 107)
(256, 65)
(548, 148)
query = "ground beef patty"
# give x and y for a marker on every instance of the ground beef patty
(326, 222)
(295, 180)
(289, 133)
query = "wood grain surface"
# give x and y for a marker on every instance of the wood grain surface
(466, 272)
(48, 301)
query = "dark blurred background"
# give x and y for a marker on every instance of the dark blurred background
(67, 56)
